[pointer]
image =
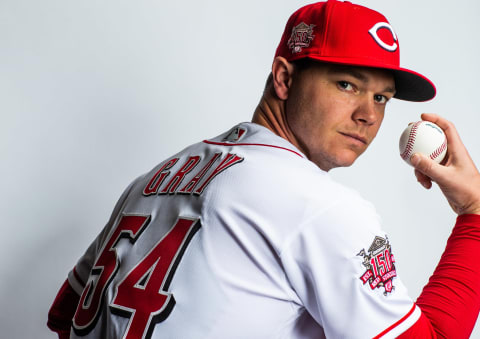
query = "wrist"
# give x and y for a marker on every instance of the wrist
(474, 209)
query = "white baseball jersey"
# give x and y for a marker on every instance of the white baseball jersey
(240, 236)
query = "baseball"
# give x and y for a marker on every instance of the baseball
(423, 137)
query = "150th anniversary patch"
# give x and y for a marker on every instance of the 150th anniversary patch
(302, 36)
(380, 265)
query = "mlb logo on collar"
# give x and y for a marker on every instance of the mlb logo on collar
(235, 134)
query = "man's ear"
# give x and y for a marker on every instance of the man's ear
(282, 72)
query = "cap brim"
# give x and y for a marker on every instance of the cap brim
(409, 85)
(412, 86)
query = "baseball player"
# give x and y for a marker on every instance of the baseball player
(245, 235)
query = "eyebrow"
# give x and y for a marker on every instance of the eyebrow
(356, 74)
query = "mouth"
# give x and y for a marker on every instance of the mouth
(355, 136)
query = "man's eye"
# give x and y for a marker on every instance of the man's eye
(381, 99)
(345, 85)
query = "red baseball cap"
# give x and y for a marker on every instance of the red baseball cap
(344, 33)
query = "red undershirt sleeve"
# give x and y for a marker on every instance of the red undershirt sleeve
(450, 302)
(62, 311)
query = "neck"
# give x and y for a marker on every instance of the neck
(270, 113)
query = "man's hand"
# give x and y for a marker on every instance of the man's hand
(457, 176)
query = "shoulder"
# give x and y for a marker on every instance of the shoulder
(251, 169)
(275, 178)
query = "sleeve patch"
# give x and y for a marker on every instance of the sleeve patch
(380, 265)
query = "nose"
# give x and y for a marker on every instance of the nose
(367, 112)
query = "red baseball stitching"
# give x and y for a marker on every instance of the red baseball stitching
(411, 141)
(439, 150)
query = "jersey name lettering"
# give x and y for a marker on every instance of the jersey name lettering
(159, 177)
(173, 185)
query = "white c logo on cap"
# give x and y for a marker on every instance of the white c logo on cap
(373, 32)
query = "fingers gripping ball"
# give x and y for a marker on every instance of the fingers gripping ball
(423, 137)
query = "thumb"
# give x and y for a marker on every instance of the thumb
(426, 166)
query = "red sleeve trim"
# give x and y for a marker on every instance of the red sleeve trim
(62, 311)
(421, 329)
(469, 219)
(396, 324)
(248, 144)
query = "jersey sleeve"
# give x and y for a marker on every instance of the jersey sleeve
(64, 306)
(78, 276)
(342, 267)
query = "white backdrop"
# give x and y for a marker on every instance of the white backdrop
(93, 93)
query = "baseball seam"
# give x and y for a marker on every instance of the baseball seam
(439, 150)
(411, 141)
